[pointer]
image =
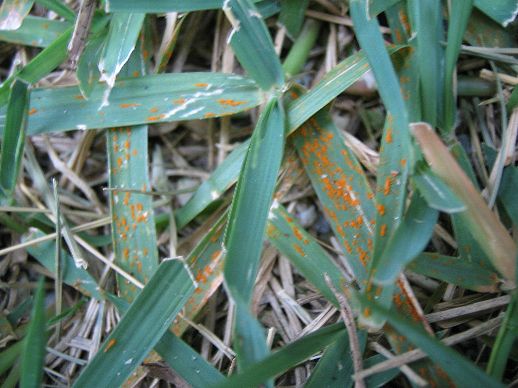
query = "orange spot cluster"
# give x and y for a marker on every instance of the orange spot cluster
(129, 105)
(179, 101)
(381, 209)
(79, 97)
(230, 102)
(298, 249)
(208, 115)
(383, 230)
(155, 118)
(201, 85)
(32, 111)
(111, 344)
(388, 137)
(387, 185)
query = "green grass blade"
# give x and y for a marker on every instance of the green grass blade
(59, 8)
(507, 194)
(504, 340)
(76, 277)
(247, 223)
(299, 52)
(35, 342)
(120, 43)
(35, 31)
(437, 194)
(332, 84)
(503, 11)
(252, 44)
(342, 188)
(9, 356)
(304, 252)
(186, 362)
(142, 100)
(47, 60)
(252, 199)
(13, 140)
(285, 358)
(335, 367)
(160, 6)
(426, 16)
(376, 7)
(461, 371)
(292, 15)
(211, 189)
(457, 23)
(456, 271)
(12, 13)
(206, 263)
(408, 240)
(479, 219)
(133, 229)
(181, 357)
(87, 70)
(145, 322)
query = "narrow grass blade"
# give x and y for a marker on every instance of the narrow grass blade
(120, 43)
(503, 11)
(460, 370)
(335, 367)
(252, 199)
(485, 32)
(408, 240)
(12, 13)
(47, 60)
(35, 342)
(310, 259)
(507, 194)
(286, 358)
(481, 222)
(211, 189)
(396, 153)
(142, 100)
(376, 7)
(292, 15)
(9, 356)
(35, 31)
(456, 271)
(145, 322)
(133, 227)
(87, 70)
(426, 16)
(301, 48)
(160, 6)
(504, 341)
(437, 194)
(76, 277)
(252, 44)
(332, 84)
(59, 8)
(342, 188)
(457, 23)
(181, 357)
(247, 223)
(187, 362)
(13, 140)
(206, 263)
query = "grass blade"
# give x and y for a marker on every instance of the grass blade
(408, 240)
(504, 341)
(133, 229)
(457, 23)
(286, 358)
(304, 252)
(503, 11)
(47, 60)
(292, 15)
(460, 370)
(142, 100)
(456, 271)
(159, 6)
(12, 13)
(76, 277)
(437, 194)
(145, 322)
(35, 342)
(247, 223)
(59, 8)
(35, 31)
(13, 140)
(252, 44)
(481, 222)
(87, 70)
(120, 43)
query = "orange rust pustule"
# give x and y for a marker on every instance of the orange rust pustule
(229, 102)
(128, 105)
